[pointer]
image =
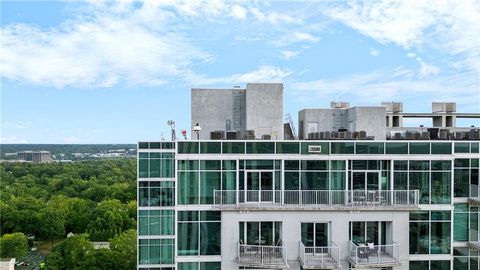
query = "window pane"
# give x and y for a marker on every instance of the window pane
(337, 181)
(400, 180)
(188, 239)
(441, 148)
(188, 188)
(154, 166)
(397, 148)
(209, 181)
(342, 147)
(462, 147)
(210, 265)
(441, 165)
(418, 265)
(307, 234)
(461, 183)
(188, 147)
(210, 165)
(440, 238)
(288, 147)
(210, 147)
(370, 148)
(314, 180)
(441, 188)
(419, 148)
(337, 165)
(229, 165)
(460, 226)
(292, 180)
(233, 147)
(260, 147)
(210, 235)
(440, 265)
(188, 266)
(143, 167)
(419, 237)
(420, 181)
(315, 165)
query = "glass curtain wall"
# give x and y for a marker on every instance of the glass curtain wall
(199, 233)
(430, 232)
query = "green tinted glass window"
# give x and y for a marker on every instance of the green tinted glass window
(397, 148)
(461, 147)
(337, 164)
(342, 147)
(292, 165)
(441, 148)
(315, 165)
(260, 147)
(229, 165)
(420, 148)
(474, 147)
(210, 165)
(188, 188)
(440, 187)
(369, 148)
(210, 147)
(143, 145)
(188, 147)
(441, 165)
(209, 182)
(288, 147)
(233, 147)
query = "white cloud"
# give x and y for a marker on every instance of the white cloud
(12, 139)
(239, 12)
(411, 55)
(289, 54)
(428, 70)
(374, 52)
(398, 84)
(115, 43)
(295, 37)
(262, 74)
(451, 26)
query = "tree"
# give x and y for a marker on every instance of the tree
(13, 245)
(52, 223)
(124, 247)
(109, 218)
(71, 254)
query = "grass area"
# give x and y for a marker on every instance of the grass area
(45, 246)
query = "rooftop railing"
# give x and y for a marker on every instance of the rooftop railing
(262, 256)
(320, 257)
(374, 255)
(353, 198)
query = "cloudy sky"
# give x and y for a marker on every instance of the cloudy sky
(115, 72)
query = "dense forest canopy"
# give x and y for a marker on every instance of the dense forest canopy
(93, 199)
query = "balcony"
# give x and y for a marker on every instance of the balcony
(320, 257)
(374, 255)
(259, 256)
(316, 199)
(474, 194)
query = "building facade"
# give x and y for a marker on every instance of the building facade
(35, 156)
(357, 190)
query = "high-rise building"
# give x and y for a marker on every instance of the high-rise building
(339, 198)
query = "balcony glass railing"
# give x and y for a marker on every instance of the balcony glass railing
(369, 255)
(474, 191)
(363, 198)
(320, 257)
(262, 256)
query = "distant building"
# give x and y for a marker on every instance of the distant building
(35, 156)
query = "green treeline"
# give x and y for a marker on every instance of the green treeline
(95, 200)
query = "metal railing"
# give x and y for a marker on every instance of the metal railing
(474, 191)
(367, 198)
(320, 257)
(374, 254)
(258, 255)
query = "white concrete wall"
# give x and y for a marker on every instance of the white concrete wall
(291, 231)
(265, 109)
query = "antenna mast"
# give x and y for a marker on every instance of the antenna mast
(171, 123)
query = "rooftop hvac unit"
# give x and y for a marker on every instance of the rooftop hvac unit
(334, 135)
(355, 135)
(417, 135)
(339, 105)
(341, 134)
(321, 135)
(362, 135)
(433, 133)
(425, 135)
(310, 136)
(266, 137)
(442, 135)
(217, 135)
(459, 135)
(348, 135)
(397, 136)
(232, 135)
(327, 135)
(473, 135)
(409, 135)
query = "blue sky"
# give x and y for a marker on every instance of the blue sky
(115, 72)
